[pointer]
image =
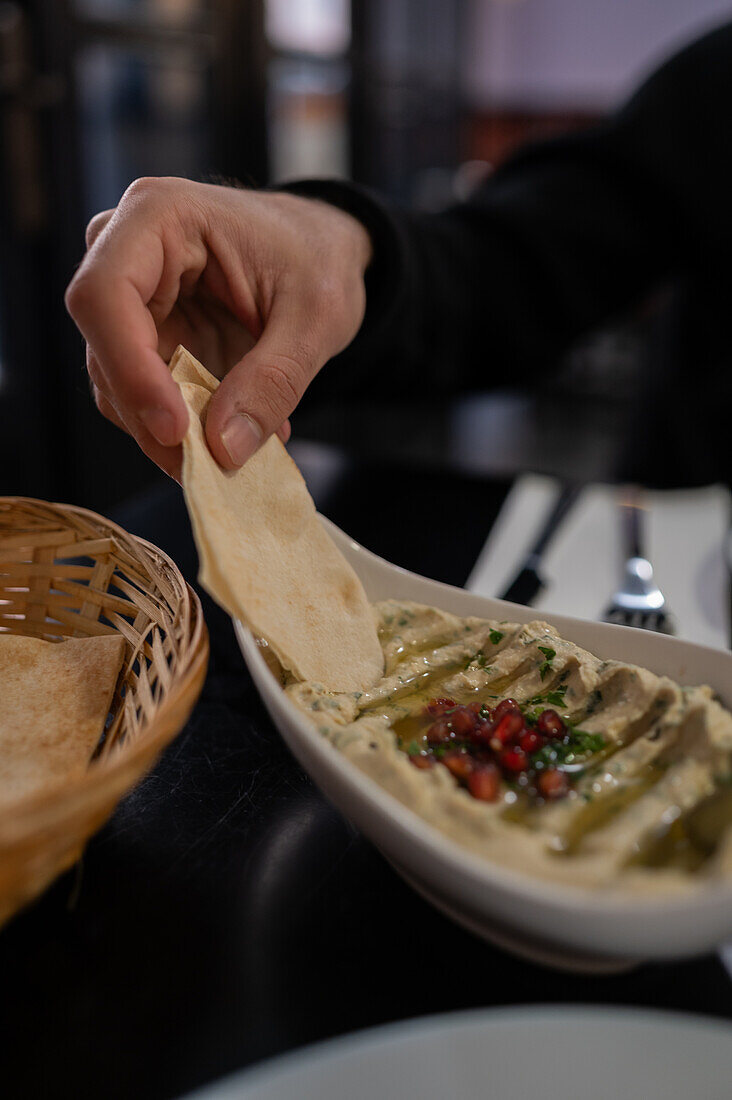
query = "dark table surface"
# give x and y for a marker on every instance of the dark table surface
(227, 913)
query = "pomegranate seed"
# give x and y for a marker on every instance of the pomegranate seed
(508, 727)
(439, 731)
(483, 732)
(506, 706)
(484, 782)
(514, 760)
(531, 741)
(476, 707)
(550, 724)
(458, 763)
(552, 784)
(436, 707)
(463, 722)
(422, 762)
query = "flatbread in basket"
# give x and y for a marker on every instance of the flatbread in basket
(68, 575)
(55, 702)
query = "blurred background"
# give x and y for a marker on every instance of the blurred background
(418, 98)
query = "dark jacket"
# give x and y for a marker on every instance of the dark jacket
(566, 235)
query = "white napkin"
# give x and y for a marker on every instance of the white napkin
(684, 532)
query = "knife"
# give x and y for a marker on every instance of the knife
(528, 582)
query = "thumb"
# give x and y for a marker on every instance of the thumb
(261, 390)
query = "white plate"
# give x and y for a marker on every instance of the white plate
(505, 1054)
(565, 926)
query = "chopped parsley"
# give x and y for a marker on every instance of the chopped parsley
(479, 660)
(577, 746)
(555, 698)
(549, 654)
(535, 701)
(495, 636)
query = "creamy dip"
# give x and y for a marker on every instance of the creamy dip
(650, 809)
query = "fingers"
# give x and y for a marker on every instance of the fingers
(285, 431)
(258, 394)
(120, 331)
(126, 280)
(284, 270)
(169, 459)
(107, 409)
(101, 398)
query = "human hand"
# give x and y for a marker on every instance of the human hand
(263, 287)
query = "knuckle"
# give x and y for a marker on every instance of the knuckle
(143, 187)
(162, 201)
(95, 227)
(282, 384)
(151, 189)
(79, 294)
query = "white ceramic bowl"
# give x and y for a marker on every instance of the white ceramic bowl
(506, 1054)
(559, 925)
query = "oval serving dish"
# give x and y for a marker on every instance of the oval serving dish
(570, 927)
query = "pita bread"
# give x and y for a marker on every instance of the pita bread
(55, 700)
(265, 557)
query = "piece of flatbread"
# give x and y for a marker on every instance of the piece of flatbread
(54, 701)
(265, 557)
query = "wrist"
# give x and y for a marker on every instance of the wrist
(336, 223)
(381, 249)
(356, 237)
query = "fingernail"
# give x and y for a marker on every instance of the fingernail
(160, 423)
(241, 438)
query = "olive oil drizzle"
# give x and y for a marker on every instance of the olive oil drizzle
(608, 782)
(410, 723)
(692, 838)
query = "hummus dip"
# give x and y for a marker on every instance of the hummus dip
(642, 768)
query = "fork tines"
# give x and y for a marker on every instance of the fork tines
(659, 621)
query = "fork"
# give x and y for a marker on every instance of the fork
(639, 601)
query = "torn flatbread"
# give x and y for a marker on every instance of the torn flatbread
(265, 557)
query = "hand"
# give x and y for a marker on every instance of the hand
(263, 287)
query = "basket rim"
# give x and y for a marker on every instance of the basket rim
(20, 818)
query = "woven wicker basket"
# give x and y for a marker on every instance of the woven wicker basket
(68, 572)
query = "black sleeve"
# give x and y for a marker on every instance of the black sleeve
(565, 235)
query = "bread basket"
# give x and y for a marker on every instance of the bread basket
(67, 572)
